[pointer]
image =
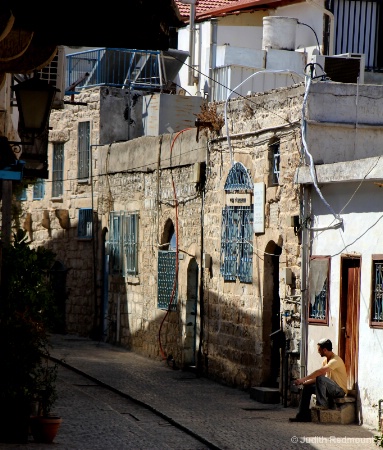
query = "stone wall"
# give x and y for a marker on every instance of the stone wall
(156, 176)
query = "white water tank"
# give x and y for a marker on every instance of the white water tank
(279, 33)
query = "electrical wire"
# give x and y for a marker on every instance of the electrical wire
(175, 282)
(338, 219)
(237, 87)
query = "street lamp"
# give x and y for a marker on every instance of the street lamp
(34, 100)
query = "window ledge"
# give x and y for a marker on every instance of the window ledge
(130, 279)
(57, 199)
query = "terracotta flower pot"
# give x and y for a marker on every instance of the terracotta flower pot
(44, 429)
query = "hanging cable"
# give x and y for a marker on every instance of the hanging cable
(339, 220)
(240, 84)
(175, 282)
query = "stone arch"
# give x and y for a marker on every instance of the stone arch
(168, 236)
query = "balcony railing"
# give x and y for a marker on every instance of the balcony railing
(135, 69)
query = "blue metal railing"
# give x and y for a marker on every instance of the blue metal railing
(136, 69)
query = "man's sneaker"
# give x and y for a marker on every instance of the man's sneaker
(298, 418)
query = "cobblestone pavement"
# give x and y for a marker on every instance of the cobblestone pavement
(225, 418)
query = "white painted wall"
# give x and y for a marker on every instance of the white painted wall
(245, 31)
(361, 208)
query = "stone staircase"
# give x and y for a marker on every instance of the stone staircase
(344, 412)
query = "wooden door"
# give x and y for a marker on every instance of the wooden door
(349, 317)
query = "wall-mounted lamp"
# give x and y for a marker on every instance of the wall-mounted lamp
(34, 100)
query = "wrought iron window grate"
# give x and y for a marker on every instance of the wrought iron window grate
(238, 179)
(377, 303)
(236, 258)
(166, 278)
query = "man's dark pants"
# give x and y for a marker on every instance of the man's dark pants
(325, 390)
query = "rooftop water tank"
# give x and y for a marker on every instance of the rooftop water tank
(279, 33)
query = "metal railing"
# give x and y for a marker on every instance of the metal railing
(124, 68)
(358, 30)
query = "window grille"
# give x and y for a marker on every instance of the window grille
(123, 242)
(319, 289)
(58, 170)
(38, 189)
(166, 276)
(83, 149)
(85, 223)
(236, 257)
(276, 163)
(377, 292)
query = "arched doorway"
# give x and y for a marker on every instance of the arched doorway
(272, 329)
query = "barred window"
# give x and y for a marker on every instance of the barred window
(83, 148)
(123, 242)
(377, 292)
(319, 283)
(167, 288)
(38, 189)
(236, 257)
(276, 156)
(85, 224)
(58, 170)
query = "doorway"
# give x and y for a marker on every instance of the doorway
(349, 317)
(189, 348)
(272, 329)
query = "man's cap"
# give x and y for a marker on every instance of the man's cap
(324, 341)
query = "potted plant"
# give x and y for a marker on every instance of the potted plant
(27, 312)
(45, 424)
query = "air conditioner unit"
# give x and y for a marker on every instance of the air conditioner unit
(54, 73)
(343, 68)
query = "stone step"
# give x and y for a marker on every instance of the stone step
(265, 394)
(343, 414)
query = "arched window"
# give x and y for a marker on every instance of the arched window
(237, 227)
(166, 271)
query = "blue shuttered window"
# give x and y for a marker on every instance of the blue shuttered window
(123, 242)
(38, 189)
(58, 170)
(236, 258)
(83, 148)
(85, 224)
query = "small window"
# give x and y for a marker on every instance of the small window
(276, 158)
(377, 292)
(319, 282)
(83, 148)
(58, 170)
(85, 224)
(38, 189)
(167, 282)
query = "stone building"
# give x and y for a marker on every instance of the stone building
(214, 212)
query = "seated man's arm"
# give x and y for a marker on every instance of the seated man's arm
(310, 379)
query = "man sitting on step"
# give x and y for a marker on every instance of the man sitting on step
(328, 382)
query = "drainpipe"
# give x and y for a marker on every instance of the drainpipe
(304, 282)
(191, 40)
(213, 56)
(331, 17)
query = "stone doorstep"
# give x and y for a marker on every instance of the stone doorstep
(265, 394)
(343, 414)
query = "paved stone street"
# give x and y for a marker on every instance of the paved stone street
(225, 418)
